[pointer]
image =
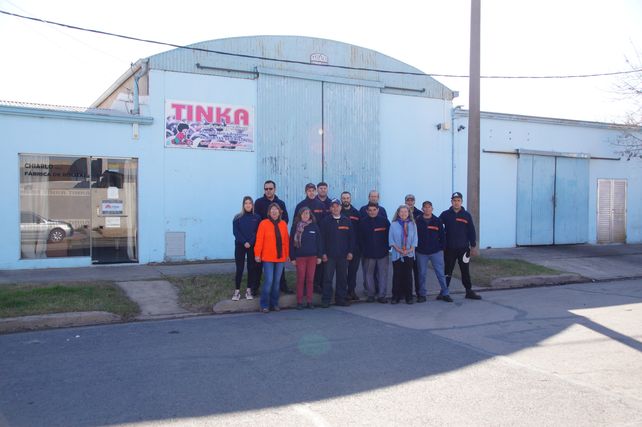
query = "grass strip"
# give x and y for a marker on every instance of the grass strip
(32, 299)
(199, 293)
(484, 270)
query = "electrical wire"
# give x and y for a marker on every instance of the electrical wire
(290, 61)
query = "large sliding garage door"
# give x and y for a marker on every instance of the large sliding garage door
(312, 130)
(552, 200)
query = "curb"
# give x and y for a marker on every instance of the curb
(57, 320)
(535, 281)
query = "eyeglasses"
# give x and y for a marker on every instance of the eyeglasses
(268, 188)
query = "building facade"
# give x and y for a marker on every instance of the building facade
(157, 168)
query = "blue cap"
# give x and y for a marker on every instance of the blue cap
(335, 201)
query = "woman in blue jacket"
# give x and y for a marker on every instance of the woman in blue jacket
(244, 228)
(403, 240)
(306, 250)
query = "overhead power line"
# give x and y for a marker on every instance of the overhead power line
(290, 61)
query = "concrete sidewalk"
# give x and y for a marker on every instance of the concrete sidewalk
(146, 284)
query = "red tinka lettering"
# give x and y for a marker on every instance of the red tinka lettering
(200, 113)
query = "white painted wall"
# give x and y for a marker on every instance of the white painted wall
(415, 156)
(499, 171)
(52, 136)
(195, 191)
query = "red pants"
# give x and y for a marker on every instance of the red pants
(305, 267)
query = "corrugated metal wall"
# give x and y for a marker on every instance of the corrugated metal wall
(352, 140)
(288, 139)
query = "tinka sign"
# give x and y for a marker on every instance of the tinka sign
(210, 126)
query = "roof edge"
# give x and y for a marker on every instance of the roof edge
(122, 79)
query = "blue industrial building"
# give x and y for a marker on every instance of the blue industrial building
(157, 167)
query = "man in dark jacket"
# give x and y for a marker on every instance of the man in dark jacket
(373, 240)
(432, 241)
(311, 201)
(461, 242)
(352, 214)
(269, 196)
(338, 246)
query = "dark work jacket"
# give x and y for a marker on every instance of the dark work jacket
(261, 207)
(373, 237)
(338, 237)
(244, 228)
(431, 235)
(416, 212)
(353, 215)
(315, 205)
(363, 211)
(311, 242)
(459, 227)
(326, 205)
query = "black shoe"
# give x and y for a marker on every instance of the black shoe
(409, 301)
(445, 298)
(370, 299)
(421, 299)
(382, 300)
(439, 297)
(395, 301)
(310, 306)
(353, 296)
(472, 295)
(342, 303)
(325, 305)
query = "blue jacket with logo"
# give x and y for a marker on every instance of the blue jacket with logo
(244, 228)
(373, 237)
(311, 242)
(459, 227)
(432, 237)
(338, 236)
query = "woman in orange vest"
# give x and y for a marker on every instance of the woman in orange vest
(272, 248)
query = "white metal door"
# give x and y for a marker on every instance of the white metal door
(611, 210)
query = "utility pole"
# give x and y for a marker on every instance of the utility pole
(472, 203)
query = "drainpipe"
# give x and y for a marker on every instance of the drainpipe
(137, 76)
(452, 147)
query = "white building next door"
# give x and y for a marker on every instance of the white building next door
(611, 211)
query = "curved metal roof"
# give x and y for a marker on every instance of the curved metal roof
(247, 57)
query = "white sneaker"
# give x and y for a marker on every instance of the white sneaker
(248, 294)
(236, 296)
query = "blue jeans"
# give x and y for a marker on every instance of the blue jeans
(272, 272)
(437, 260)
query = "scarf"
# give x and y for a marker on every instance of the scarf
(299, 232)
(404, 227)
(279, 242)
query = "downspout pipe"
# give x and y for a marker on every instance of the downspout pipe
(452, 147)
(144, 67)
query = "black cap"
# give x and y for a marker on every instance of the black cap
(310, 185)
(456, 195)
(335, 202)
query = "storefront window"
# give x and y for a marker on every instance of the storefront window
(54, 206)
(78, 206)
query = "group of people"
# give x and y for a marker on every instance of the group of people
(329, 239)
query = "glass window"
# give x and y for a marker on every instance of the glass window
(55, 203)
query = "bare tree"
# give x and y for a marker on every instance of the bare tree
(629, 143)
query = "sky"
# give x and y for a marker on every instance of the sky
(51, 65)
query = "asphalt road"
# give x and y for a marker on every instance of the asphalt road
(569, 355)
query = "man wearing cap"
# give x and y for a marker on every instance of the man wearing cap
(416, 213)
(338, 246)
(461, 242)
(432, 240)
(373, 239)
